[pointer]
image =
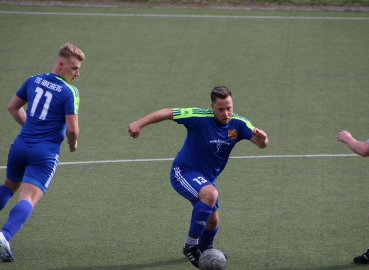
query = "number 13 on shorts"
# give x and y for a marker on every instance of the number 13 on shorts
(200, 180)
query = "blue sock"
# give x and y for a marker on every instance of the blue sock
(200, 216)
(5, 195)
(207, 238)
(17, 217)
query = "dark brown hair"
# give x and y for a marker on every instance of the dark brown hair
(221, 92)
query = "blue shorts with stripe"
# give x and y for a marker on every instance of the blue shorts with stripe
(188, 184)
(34, 165)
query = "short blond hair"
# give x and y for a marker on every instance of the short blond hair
(69, 50)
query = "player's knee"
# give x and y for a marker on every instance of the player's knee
(208, 195)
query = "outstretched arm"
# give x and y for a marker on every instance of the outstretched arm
(134, 129)
(15, 107)
(360, 148)
(259, 137)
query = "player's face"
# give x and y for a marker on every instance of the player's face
(69, 69)
(223, 110)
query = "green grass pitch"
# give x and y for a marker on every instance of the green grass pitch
(300, 76)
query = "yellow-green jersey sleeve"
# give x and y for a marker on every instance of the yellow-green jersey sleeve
(180, 113)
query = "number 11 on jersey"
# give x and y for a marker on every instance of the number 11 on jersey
(40, 92)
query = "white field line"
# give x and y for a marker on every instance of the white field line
(188, 16)
(171, 159)
(182, 16)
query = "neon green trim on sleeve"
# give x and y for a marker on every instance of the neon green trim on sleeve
(75, 93)
(243, 119)
(179, 113)
(75, 97)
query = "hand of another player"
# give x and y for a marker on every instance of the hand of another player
(134, 129)
(344, 136)
(74, 147)
(259, 134)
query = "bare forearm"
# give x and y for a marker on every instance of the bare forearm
(358, 147)
(72, 135)
(259, 138)
(72, 131)
(263, 144)
(134, 129)
(155, 117)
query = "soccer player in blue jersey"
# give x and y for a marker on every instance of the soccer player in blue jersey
(361, 148)
(211, 135)
(51, 115)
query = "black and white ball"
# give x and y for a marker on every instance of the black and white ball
(212, 259)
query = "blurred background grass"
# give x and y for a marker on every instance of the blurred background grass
(300, 79)
(235, 3)
(258, 2)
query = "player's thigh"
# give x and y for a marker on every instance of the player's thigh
(17, 162)
(188, 183)
(41, 167)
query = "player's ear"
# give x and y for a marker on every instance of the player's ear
(60, 64)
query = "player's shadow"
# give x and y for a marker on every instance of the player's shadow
(164, 264)
(347, 266)
(171, 265)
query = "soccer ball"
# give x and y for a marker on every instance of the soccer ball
(212, 259)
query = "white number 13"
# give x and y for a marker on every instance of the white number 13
(38, 96)
(200, 180)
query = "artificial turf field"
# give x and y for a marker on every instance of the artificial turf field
(301, 203)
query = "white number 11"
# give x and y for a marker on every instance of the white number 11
(38, 96)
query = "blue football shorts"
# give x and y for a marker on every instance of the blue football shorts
(188, 184)
(34, 165)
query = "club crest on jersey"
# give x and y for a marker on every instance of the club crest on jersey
(232, 134)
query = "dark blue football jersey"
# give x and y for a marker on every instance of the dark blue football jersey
(208, 144)
(49, 100)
